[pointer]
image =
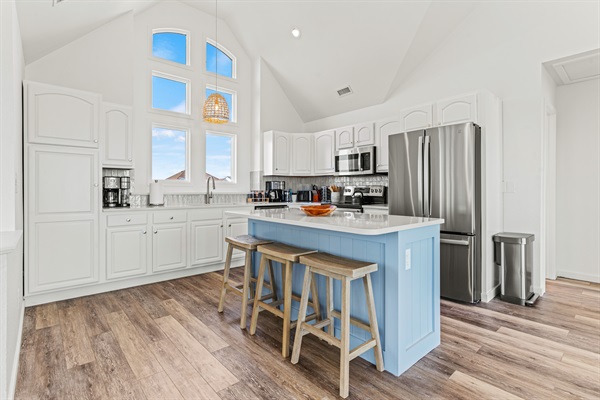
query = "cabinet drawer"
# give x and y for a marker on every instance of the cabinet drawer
(170, 216)
(206, 214)
(127, 219)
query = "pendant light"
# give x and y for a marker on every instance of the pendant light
(216, 110)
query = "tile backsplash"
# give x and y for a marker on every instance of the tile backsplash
(175, 200)
(300, 183)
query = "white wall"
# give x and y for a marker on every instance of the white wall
(99, 62)
(500, 48)
(578, 181)
(11, 198)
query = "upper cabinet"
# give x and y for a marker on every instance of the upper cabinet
(324, 154)
(383, 129)
(420, 117)
(117, 136)
(61, 116)
(344, 138)
(457, 109)
(276, 156)
(364, 135)
(302, 154)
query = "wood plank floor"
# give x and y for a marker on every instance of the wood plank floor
(167, 341)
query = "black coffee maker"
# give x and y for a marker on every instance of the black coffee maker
(274, 190)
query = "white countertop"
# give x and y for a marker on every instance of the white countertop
(361, 224)
(196, 206)
(9, 240)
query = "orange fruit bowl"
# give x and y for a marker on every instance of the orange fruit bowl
(318, 211)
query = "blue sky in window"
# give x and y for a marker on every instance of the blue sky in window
(227, 96)
(224, 64)
(168, 94)
(170, 46)
(218, 155)
(168, 152)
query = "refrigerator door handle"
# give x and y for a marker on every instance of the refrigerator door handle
(420, 177)
(427, 178)
(455, 242)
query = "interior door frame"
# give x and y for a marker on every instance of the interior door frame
(548, 195)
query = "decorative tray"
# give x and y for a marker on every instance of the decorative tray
(318, 210)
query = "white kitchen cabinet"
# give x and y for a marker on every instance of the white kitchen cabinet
(383, 129)
(457, 109)
(277, 151)
(207, 241)
(344, 138)
(169, 246)
(364, 135)
(61, 116)
(127, 251)
(420, 117)
(117, 136)
(236, 227)
(324, 154)
(302, 154)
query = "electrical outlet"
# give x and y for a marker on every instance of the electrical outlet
(407, 259)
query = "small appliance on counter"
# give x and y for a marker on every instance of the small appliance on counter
(304, 196)
(110, 191)
(275, 190)
(325, 194)
(124, 191)
(354, 197)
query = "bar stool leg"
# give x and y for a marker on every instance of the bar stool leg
(246, 288)
(345, 340)
(225, 277)
(315, 296)
(259, 287)
(373, 321)
(302, 315)
(287, 309)
(329, 285)
(272, 282)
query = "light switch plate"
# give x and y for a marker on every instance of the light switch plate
(407, 259)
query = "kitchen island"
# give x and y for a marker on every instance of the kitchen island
(406, 286)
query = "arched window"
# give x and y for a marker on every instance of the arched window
(219, 60)
(171, 45)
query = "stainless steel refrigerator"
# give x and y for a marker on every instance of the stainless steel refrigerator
(436, 173)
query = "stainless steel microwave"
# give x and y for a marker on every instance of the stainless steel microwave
(357, 161)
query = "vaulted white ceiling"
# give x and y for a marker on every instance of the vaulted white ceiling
(371, 46)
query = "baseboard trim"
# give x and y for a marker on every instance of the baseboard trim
(578, 276)
(12, 386)
(490, 294)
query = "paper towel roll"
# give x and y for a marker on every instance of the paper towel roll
(156, 194)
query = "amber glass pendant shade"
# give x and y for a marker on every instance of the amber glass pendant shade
(215, 109)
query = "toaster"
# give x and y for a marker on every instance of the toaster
(304, 196)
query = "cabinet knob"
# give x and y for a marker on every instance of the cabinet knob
(144, 232)
(221, 226)
(129, 159)
(170, 217)
(155, 232)
(230, 225)
(95, 185)
(128, 220)
(95, 140)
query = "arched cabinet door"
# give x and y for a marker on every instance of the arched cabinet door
(420, 117)
(324, 163)
(344, 138)
(117, 136)
(60, 116)
(457, 109)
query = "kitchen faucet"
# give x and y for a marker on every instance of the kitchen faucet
(209, 195)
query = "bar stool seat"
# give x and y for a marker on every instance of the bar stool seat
(247, 244)
(286, 255)
(345, 270)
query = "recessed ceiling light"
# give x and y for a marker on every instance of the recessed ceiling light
(296, 32)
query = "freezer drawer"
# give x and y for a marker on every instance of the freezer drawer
(460, 278)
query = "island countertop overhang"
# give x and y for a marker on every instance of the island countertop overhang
(360, 224)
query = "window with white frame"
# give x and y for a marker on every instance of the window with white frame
(170, 151)
(221, 156)
(170, 93)
(171, 45)
(219, 60)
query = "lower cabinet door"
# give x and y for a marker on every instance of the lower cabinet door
(237, 227)
(207, 242)
(62, 254)
(169, 247)
(126, 251)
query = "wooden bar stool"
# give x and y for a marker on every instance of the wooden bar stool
(345, 270)
(247, 244)
(287, 256)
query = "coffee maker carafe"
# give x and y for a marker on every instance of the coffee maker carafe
(110, 193)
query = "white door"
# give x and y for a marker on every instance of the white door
(117, 135)
(281, 153)
(364, 135)
(344, 138)
(383, 130)
(169, 244)
(62, 253)
(457, 109)
(236, 227)
(57, 115)
(207, 242)
(126, 251)
(302, 154)
(420, 117)
(324, 162)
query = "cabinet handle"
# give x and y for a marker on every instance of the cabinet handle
(230, 225)
(95, 185)
(144, 232)
(130, 159)
(128, 220)
(221, 226)
(170, 217)
(95, 140)
(155, 232)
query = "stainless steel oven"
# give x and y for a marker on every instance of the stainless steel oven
(357, 161)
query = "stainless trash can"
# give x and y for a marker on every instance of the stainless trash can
(513, 252)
